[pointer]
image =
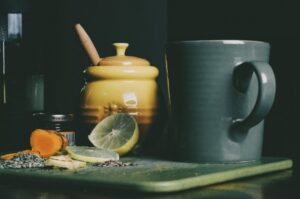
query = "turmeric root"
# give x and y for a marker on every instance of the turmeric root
(64, 139)
(47, 142)
(10, 156)
(44, 143)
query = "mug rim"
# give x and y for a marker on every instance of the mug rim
(223, 41)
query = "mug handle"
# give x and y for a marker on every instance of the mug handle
(266, 90)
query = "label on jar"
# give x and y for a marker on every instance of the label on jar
(70, 135)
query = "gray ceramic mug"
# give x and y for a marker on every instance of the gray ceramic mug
(220, 93)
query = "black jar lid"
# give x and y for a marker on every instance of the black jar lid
(54, 117)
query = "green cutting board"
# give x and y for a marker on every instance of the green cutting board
(149, 175)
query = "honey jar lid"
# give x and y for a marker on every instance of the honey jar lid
(120, 59)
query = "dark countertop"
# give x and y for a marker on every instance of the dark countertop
(283, 184)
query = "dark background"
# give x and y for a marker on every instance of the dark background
(147, 25)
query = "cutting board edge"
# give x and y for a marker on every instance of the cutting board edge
(172, 185)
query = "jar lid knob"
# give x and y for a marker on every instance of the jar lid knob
(121, 59)
(121, 48)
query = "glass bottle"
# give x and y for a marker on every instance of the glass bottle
(21, 89)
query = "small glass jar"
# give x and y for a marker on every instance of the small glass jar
(62, 123)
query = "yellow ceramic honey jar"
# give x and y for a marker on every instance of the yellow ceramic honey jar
(120, 84)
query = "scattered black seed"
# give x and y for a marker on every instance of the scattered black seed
(23, 160)
(114, 163)
(34, 161)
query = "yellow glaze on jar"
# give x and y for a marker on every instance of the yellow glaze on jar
(120, 84)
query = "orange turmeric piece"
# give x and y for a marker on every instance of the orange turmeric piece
(64, 139)
(47, 143)
(65, 142)
(10, 156)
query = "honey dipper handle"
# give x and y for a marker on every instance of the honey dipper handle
(87, 44)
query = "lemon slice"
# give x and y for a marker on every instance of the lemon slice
(91, 154)
(118, 132)
(64, 161)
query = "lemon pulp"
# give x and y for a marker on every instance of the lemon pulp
(118, 132)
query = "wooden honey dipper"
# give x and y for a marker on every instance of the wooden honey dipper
(88, 45)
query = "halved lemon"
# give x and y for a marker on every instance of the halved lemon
(118, 132)
(91, 154)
